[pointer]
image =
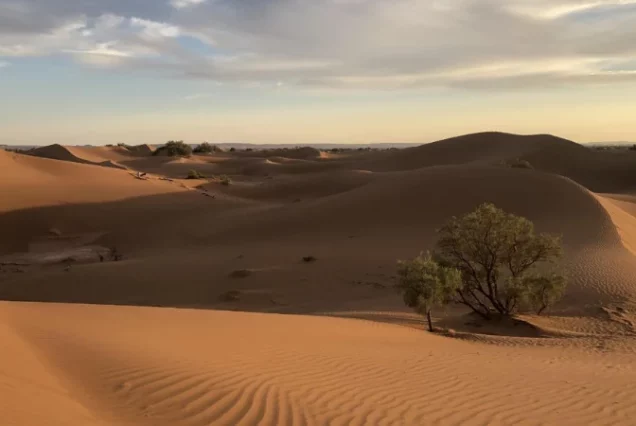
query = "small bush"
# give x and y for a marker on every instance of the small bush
(309, 259)
(174, 149)
(225, 180)
(425, 284)
(206, 148)
(193, 174)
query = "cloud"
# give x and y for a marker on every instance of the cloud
(180, 4)
(359, 44)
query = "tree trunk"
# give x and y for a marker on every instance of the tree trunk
(540, 311)
(430, 321)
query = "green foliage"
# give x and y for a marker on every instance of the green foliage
(193, 174)
(174, 149)
(225, 180)
(544, 291)
(206, 148)
(425, 284)
(498, 255)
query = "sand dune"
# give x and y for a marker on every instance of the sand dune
(79, 155)
(480, 148)
(181, 242)
(107, 365)
(599, 171)
(31, 182)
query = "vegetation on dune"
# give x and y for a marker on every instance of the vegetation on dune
(174, 149)
(123, 145)
(225, 180)
(193, 174)
(489, 260)
(206, 148)
(426, 284)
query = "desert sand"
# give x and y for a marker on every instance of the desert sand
(210, 316)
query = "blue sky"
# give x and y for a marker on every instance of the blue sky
(301, 71)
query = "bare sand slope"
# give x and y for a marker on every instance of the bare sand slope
(623, 215)
(599, 171)
(404, 209)
(83, 365)
(31, 182)
(484, 148)
(357, 228)
(79, 155)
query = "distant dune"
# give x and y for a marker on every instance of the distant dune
(162, 240)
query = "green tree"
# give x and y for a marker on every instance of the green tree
(425, 284)
(173, 149)
(505, 266)
(206, 148)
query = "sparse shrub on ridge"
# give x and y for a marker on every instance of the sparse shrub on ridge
(497, 256)
(174, 149)
(193, 174)
(206, 148)
(225, 180)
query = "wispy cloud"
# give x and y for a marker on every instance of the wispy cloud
(180, 4)
(370, 44)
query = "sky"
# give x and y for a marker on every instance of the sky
(314, 71)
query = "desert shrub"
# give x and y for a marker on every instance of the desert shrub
(225, 180)
(232, 149)
(309, 259)
(425, 284)
(498, 255)
(127, 147)
(174, 149)
(206, 148)
(193, 174)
